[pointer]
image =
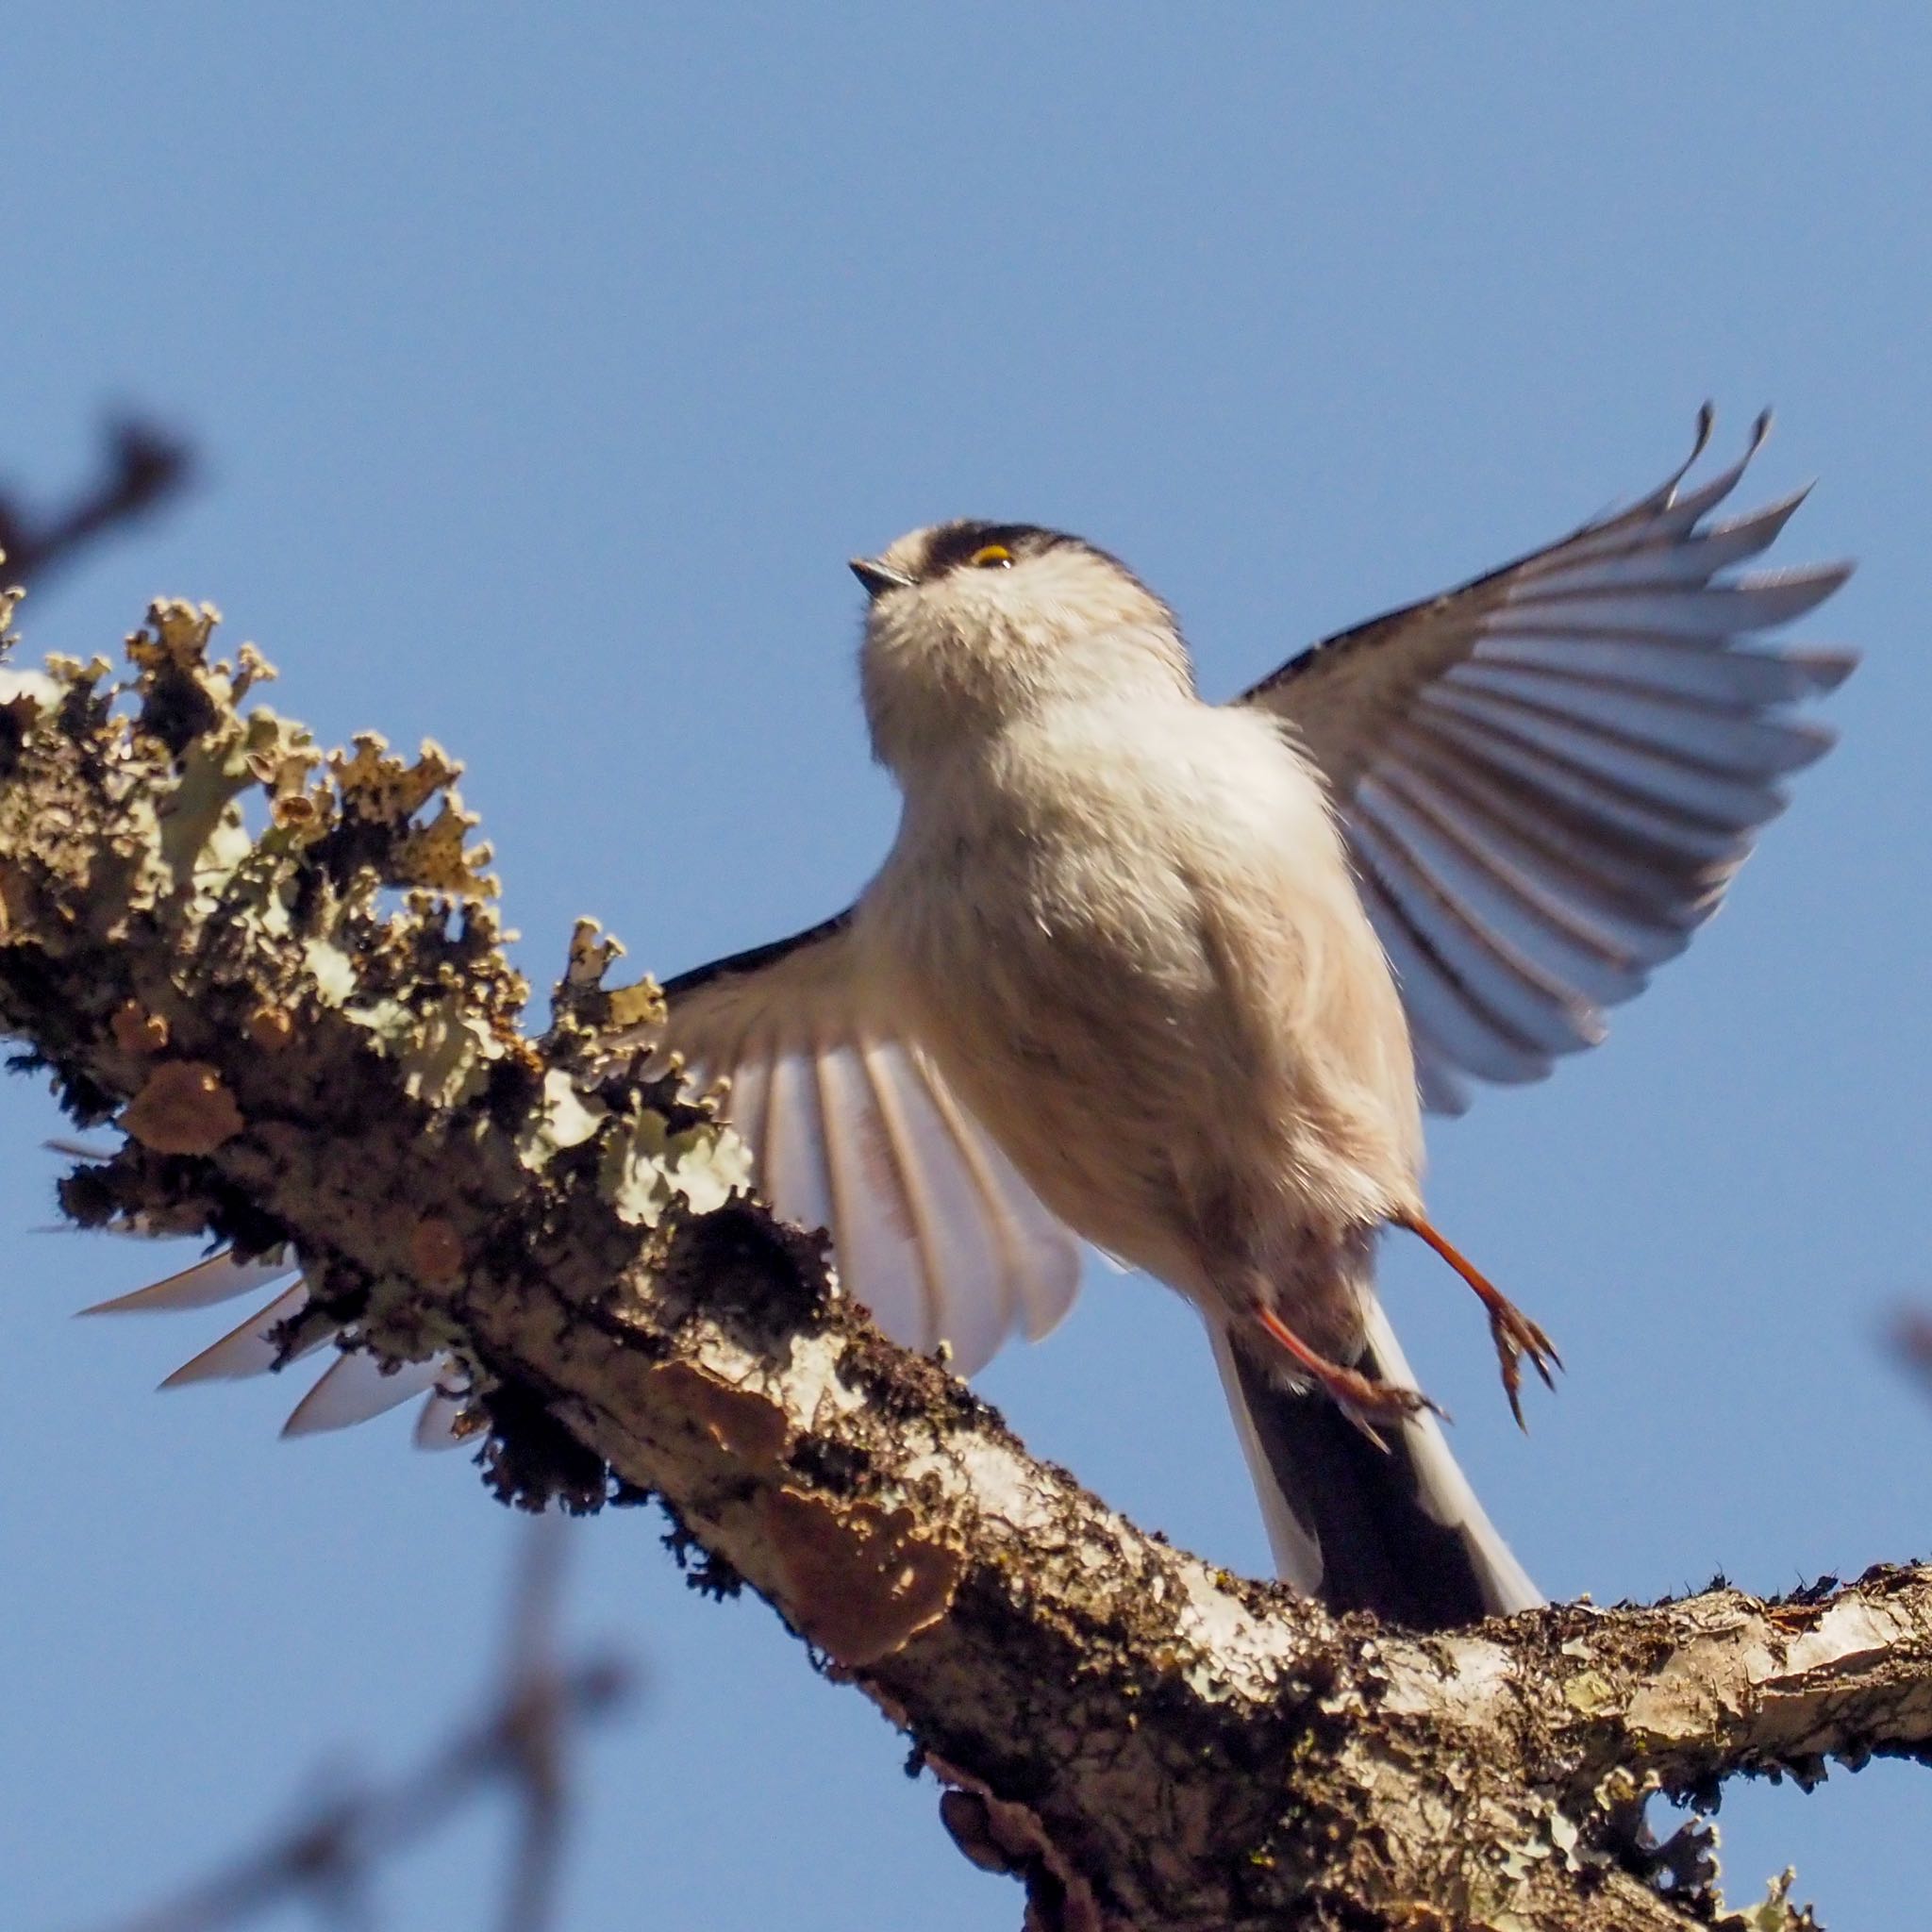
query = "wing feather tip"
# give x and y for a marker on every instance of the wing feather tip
(1827, 666)
(191, 1374)
(119, 1304)
(355, 1389)
(436, 1429)
(1809, 743)
(1041, 1314)
(1701, 435)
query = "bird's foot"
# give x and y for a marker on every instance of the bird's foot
(1361, 1398)
(1514, 1334)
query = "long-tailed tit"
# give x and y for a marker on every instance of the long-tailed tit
(1178, 979)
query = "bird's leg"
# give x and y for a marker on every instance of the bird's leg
(1514, 1334)
(1360, 1397)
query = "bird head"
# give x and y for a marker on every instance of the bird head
(971, 626)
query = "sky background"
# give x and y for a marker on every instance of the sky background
(547, 364)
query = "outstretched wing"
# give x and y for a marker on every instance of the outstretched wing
(852, 1129)
(1547, 777)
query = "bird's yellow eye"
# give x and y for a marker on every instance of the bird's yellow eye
(991, 557)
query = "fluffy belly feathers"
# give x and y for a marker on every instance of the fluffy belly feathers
(1189, 1043)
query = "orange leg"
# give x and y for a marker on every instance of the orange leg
(1361, 1398)
(1514, 1334)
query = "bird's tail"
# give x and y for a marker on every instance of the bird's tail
(1395, 1530)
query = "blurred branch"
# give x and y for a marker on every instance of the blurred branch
(1911, 1338)
(534, 1731)
(329, 1855)
(1147, 1741)
(143, 468)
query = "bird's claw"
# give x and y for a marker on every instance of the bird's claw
(1517, 1337)
(1514, 1334)
(1363, 1399)
(1370, 1404)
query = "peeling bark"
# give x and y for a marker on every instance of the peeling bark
(280, 974)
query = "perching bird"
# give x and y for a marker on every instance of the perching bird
(1178, 979)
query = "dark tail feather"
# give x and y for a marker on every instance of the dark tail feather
(1398, 1530)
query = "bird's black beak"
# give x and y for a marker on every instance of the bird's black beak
(877, 578)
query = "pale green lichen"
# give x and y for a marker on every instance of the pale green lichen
(620, 1011)
(1589, 1692)
(562, 1118)
(1774, 1913)
(444, 1048)
(647, 1167)
(332, 970)
(238, 828)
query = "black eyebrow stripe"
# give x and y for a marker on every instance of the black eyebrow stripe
(955, 544)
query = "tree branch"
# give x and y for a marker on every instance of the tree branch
(281, 974)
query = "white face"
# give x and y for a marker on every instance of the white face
(972, 624)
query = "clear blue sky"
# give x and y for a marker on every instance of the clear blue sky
(549, 363)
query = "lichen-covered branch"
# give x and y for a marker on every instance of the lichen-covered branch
(279, 973)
